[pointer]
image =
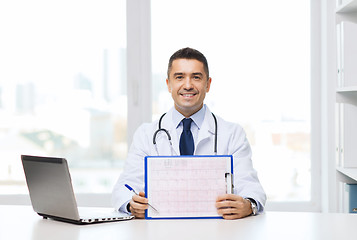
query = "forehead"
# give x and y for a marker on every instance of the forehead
(183, 65)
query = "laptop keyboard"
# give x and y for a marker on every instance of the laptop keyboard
(101, 214)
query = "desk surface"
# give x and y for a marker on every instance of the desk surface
(21, 222)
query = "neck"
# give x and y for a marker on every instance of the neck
(188, 112)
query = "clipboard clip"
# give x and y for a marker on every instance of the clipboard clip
(229, 183)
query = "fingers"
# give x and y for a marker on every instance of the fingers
(230, 213)
(138, 205)
(231, 197)
(229, 201)
(231, 206)
(140, 198)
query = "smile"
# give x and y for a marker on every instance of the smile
(188, 94)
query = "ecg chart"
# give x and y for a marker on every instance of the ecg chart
(181, 187)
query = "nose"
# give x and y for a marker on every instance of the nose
(188, 83)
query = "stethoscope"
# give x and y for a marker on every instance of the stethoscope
(169, 136)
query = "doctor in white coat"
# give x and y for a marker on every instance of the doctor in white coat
(188, 82)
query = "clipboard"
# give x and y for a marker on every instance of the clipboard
(185, 187)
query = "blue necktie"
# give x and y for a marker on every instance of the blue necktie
(186, 141)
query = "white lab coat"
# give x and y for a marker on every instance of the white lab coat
(231, 141)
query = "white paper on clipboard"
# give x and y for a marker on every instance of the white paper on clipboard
(186, 186)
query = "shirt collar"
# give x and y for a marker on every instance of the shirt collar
(197, 118)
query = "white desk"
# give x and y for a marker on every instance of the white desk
(21, 222)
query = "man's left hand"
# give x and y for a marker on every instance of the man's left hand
(231, 206)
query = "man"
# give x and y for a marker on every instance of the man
(188, 82)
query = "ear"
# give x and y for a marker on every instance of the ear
(168, 85)
(209, 80)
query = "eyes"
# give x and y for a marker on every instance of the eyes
(196, 77)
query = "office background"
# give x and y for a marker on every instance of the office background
(77, 78)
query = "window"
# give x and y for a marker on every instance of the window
(63, 83)
(63, 89)
(259, 58)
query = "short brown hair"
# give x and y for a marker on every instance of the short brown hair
(188, 53)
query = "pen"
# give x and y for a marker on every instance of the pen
(131, 189)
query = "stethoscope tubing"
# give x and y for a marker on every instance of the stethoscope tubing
(169, 136)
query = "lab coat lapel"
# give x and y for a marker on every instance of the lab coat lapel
(172, 130)
(207, 129)
(175, 140)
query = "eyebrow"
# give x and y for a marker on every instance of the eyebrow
(178, 73)
(181, 73)
(197, 73)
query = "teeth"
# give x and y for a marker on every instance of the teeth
(187, 95)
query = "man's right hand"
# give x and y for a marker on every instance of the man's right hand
(138, 205)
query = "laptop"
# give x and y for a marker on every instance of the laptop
(51, 193)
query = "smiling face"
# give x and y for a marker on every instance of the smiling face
(188, 85)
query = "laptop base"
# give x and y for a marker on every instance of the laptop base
(84, 221)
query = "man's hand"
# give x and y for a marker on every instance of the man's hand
(138, 205)
(232, 206)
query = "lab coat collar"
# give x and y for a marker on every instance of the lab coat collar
(197, 118)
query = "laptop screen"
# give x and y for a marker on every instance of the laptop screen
(49, 183)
